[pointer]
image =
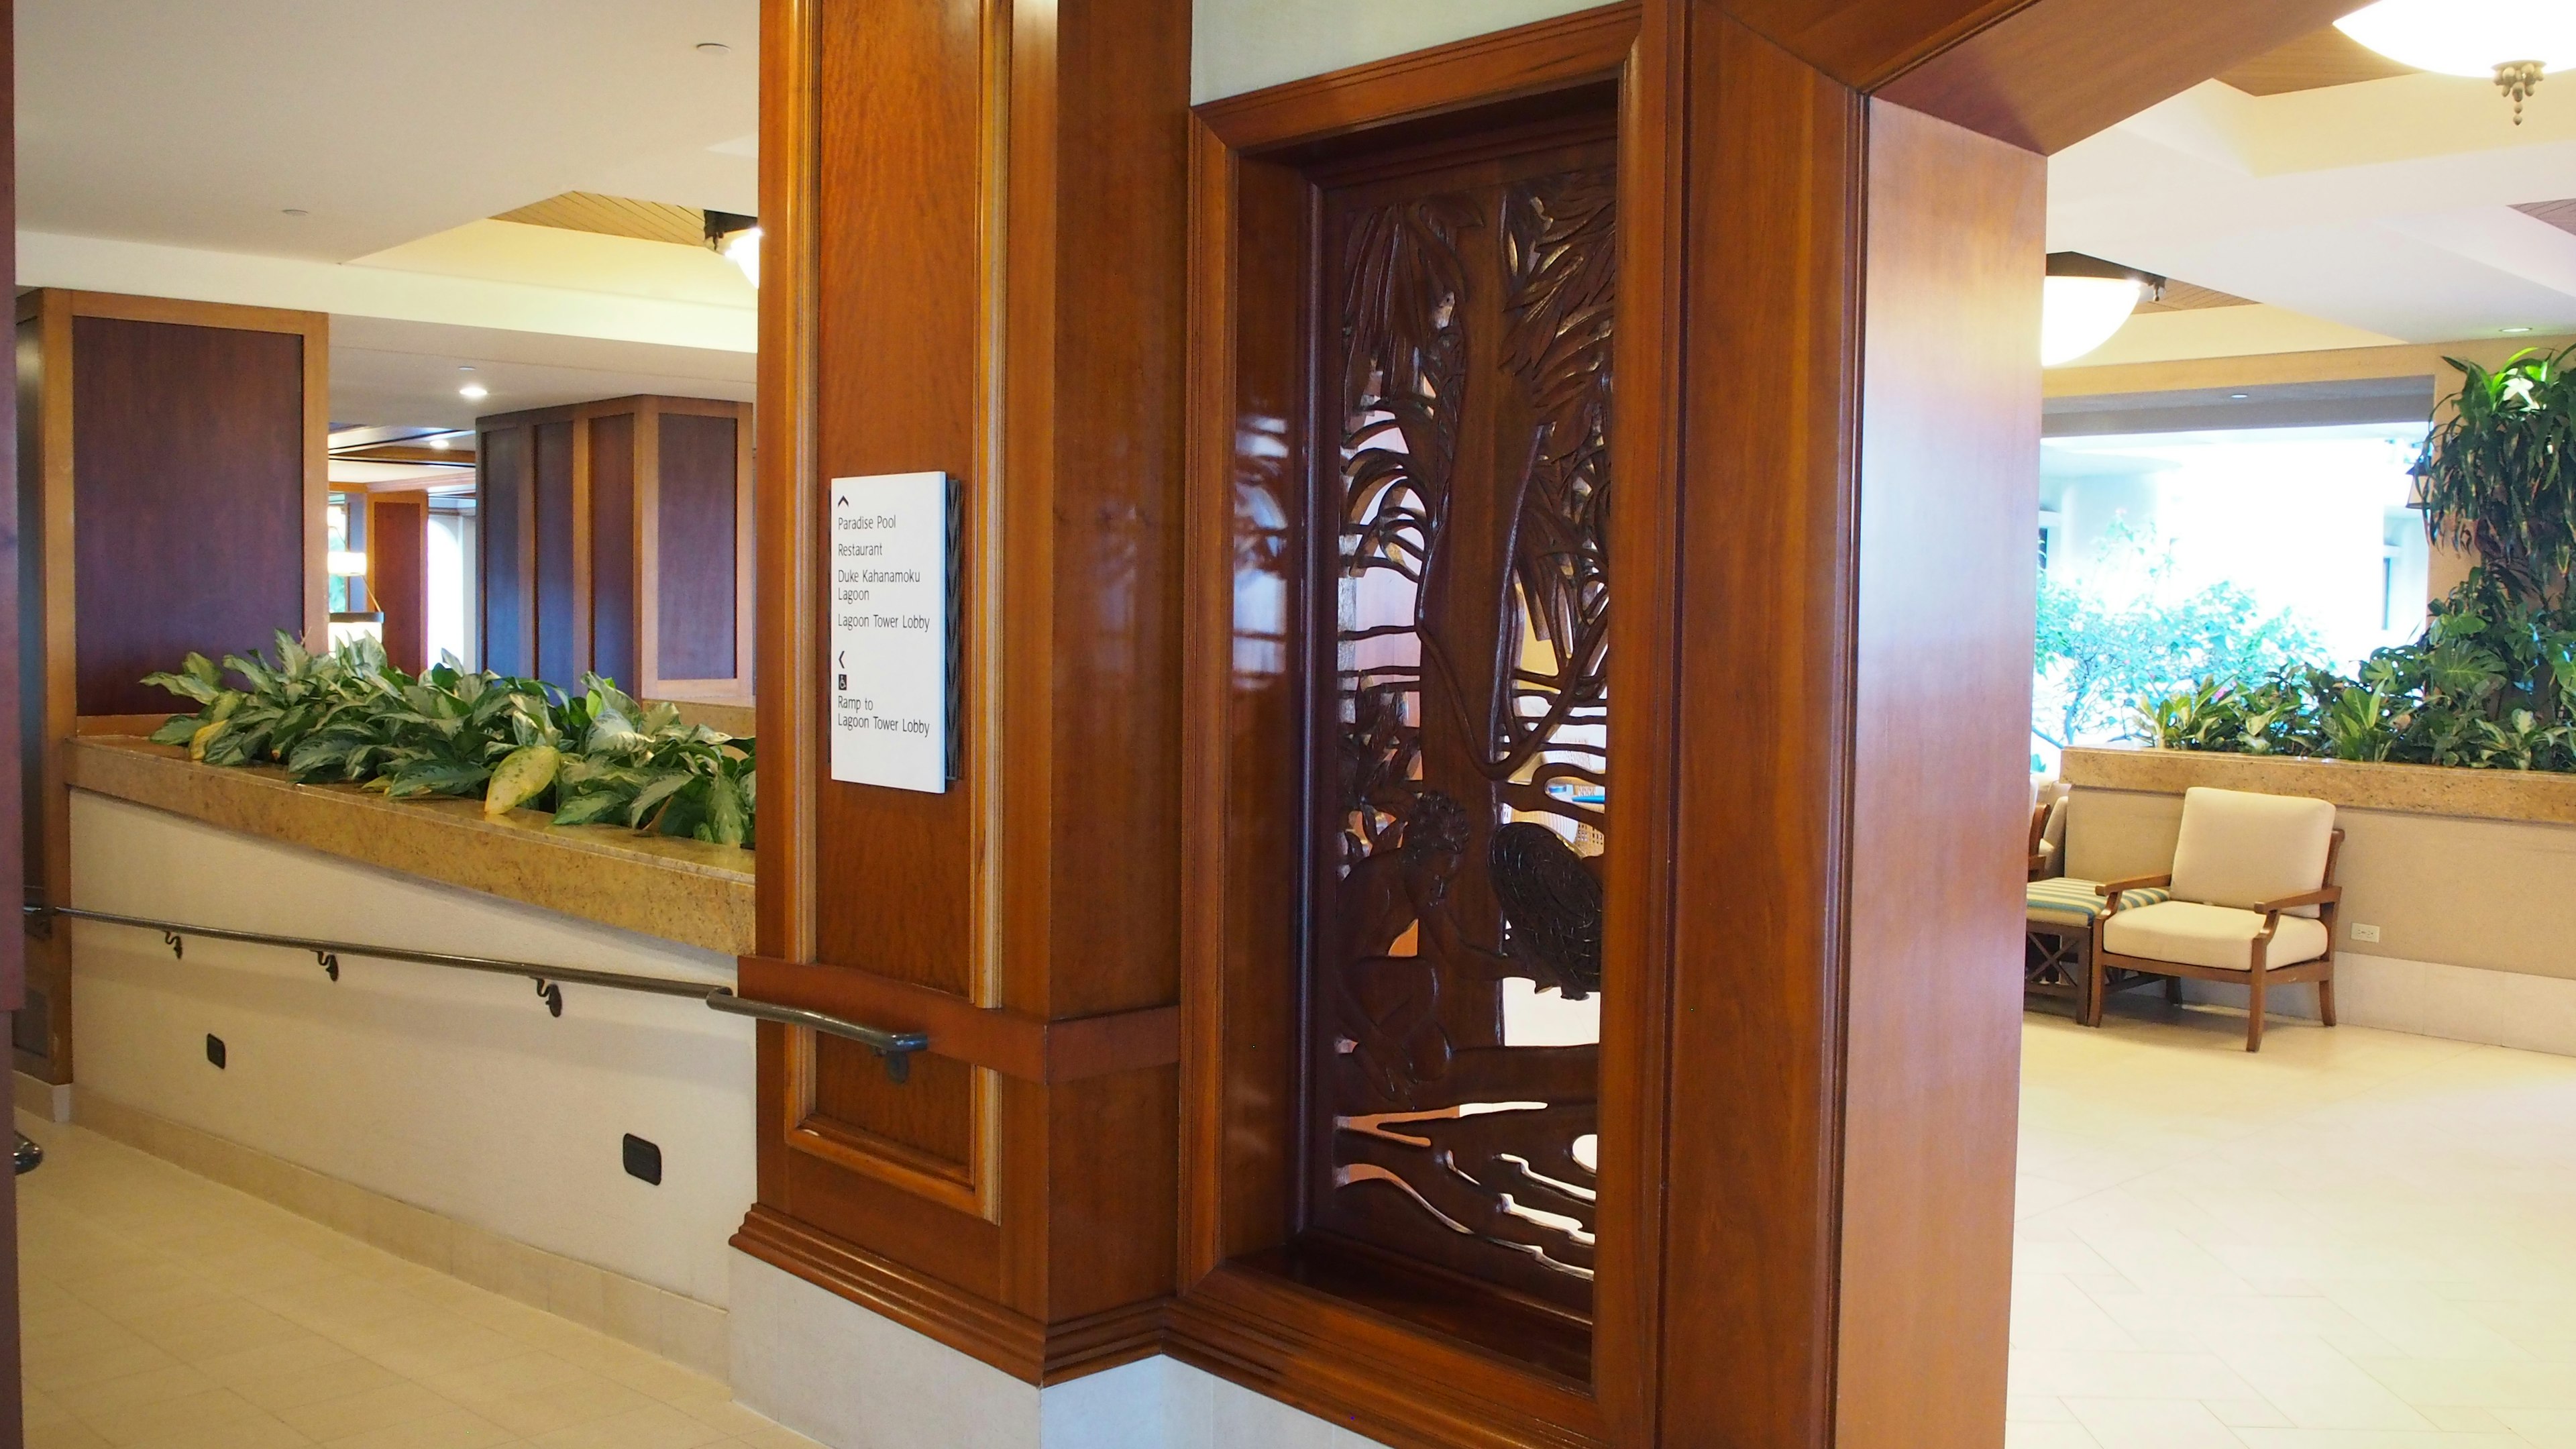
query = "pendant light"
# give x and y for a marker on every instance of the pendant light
(2086, 301)
(736, 239)
(2512, 44)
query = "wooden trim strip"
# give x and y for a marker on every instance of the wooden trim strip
(1013, 1043)
(1525, 60)
(1015, 1343)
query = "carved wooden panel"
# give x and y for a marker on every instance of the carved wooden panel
(1458, 753)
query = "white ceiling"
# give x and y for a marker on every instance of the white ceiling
(198, 122)
(384, 371)
(160, 143)
(2383, 210)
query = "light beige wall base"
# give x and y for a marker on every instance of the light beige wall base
(2427, 998)
(49, 1100)
(693, 1334)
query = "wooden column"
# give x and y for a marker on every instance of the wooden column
(398, 574)
(617, 538)
(973, 265)
(172, 488)
(1824, 446)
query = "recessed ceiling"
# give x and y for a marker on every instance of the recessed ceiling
(200, 124)
(2404, 209)
(387, 372)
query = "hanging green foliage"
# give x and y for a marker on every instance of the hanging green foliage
(2499, 475)
(596, 756)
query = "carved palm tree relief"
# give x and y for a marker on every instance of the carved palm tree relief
(1458, 932)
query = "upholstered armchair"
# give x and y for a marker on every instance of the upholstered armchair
(2069, 861)
(2252, 901)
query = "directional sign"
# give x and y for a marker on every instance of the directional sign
(890, 658)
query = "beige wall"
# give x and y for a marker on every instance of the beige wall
(1243, 45)
(453, 1092)
(2495, 895)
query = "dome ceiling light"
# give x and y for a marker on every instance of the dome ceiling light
(737, 240)
(2087, 300)
(2512, 44)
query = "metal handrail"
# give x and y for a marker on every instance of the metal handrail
(895, 1048)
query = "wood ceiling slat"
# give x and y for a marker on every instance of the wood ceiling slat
(615, 216)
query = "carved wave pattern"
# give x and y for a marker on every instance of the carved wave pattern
(1469, 715)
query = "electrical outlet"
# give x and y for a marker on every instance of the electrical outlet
(215, 1050)
(2361, 932)
(643, 1159)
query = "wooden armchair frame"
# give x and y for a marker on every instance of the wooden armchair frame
(2256, 981)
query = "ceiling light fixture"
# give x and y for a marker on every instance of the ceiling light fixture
(736, 238)
(296, 211)
(2510, 330)
(474, 391)
(714, 47)
(442, 442)
(2515, 45)
(2087, 300)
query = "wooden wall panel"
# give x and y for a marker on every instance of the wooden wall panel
(1759, 682)
(189, 499)
(561, 652)
(695, 604)
(901, 142)
(1949, 477)
(398, 575)
(505, 495)
(613, 582)
(192, 437)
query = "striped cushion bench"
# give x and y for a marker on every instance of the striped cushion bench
(2066, 901)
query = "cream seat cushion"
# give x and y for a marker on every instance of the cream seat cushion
(2214, 936)
(2242, 849)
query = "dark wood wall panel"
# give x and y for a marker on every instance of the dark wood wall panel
(398, 576)
(1949, 478)
(502, 487)
(188, 499)
(1759, 685)
(27, 522)
(612, 548)
(558, 604)
(900, 146)
(699, 490)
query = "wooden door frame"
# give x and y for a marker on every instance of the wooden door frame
(1748, 278)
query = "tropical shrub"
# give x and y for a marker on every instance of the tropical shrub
(595, 756)
(2491, 684)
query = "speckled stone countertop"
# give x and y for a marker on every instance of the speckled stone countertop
(680, 890)
(2547, 798)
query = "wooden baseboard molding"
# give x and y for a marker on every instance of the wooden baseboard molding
(693, 1334)
(51, 1101)
(1018, 1345)
(1299, 1346)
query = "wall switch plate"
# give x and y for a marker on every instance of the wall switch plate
(643, 1159)
(2361, 932)
(215, 1050)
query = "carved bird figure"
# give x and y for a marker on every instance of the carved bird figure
(1551, 907)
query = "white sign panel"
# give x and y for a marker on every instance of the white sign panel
(888, 664)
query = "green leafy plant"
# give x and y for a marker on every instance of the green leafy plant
(596, 756)
(2101, 648)
(2498, 475)
(2491, 682)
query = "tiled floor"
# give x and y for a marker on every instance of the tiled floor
(166, 1312)
(2356, 1240)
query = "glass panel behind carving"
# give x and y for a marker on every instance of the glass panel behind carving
(1461, 742)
